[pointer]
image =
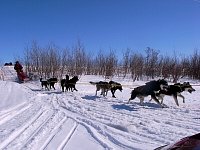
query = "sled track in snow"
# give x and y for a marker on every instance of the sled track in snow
(32, 126)
(40, 124)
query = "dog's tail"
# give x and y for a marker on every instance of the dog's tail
(93, 83)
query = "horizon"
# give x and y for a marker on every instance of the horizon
(168, 26)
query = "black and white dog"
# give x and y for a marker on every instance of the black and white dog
(49, 83)
(150, 88)
(69, 84)
(175, 90)
(52, 82)
(115, 86)
(106, 86)
(64, 82)
(44, 83)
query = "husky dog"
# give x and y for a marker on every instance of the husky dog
(71, 84)
(49, 83)
(115, 86)
(52, 82)
(106, 86)
(64, 82)
(149, 89)
(103, 86)
(44, 83)
(175, 90)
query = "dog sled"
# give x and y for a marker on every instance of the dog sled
(22, 77)
(20, 74)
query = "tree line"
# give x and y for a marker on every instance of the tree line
(51, 61)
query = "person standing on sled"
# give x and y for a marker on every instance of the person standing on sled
(18, 67)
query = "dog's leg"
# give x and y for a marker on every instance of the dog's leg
(70, 88)
(74, 88)
(156, 100)
(54, 86)
(141, 100)
(106, 93)
(96, 93)
(129, 101)
(103, 92)
(46, 87)
(175, 99)
(182, 97)
(63, 88)
(97, 89)
(162, 98)
(67, 88)
(113, 93)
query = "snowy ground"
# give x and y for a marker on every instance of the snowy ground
(32, 118)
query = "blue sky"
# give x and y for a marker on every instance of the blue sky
(165, 25)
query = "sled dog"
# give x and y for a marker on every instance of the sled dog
(52, 82)
(149, 89)
(115, 86)
(106, 86)
(64, 82)
(69, 84)
(44, 83)
(49, 83)
(175, 90)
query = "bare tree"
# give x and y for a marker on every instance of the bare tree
(126, 62)
(185, 66)
(32, 58)
(151, 62)
(80, 59)
(176, 68)
(165, 67)
(110, 64)
(195, 65)
(54, 60)
(90, 67)
(100, 63)
(64, 62)
(136, 66)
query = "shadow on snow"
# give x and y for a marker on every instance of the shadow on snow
(90, 97)
(123, 106)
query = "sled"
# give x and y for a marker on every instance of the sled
(22, 77)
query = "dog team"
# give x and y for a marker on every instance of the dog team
(157, 89)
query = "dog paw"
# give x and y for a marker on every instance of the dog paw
(165, 106)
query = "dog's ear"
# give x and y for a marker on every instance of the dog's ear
(186, 83)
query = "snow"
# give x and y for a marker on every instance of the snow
(33, 118)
